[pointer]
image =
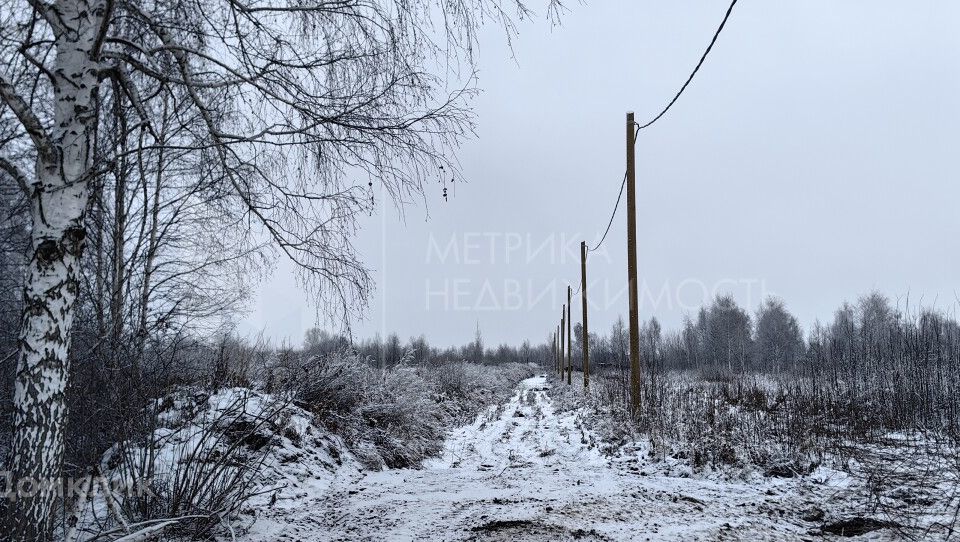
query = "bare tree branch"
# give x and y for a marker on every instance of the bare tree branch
(14, 172)
(27, 118)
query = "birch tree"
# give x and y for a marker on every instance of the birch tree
(296, 110)
(779, 341)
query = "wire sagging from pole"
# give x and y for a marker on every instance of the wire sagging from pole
(612, 215)
(676, 97)
(695, 70)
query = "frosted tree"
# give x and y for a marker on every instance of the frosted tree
(295, 111)
(726, 331)
(619, 342)
(779, 341)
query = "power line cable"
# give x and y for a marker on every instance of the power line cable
(695, 70)
(613, 214)
(676, 97)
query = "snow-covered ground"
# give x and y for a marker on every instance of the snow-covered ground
(523, 471)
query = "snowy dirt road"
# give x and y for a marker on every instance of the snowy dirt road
(523, 471)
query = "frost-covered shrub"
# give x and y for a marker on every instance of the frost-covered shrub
(384, 415)
(397, 416)
(751, 423)
(332, 386)
(193, 473)
(400, 417)
(465, 388)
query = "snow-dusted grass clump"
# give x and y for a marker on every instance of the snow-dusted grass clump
(209, 454)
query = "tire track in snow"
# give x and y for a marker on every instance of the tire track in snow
(522, 471)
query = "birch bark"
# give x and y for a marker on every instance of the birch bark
(58, 201)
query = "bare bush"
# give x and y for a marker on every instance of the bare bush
(873, 371)
(397, 416)
(194, 472)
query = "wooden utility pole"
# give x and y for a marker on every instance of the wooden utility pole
(569, 339)
(555, 356)
(583, 299)
(557, 344)
(632, 265)
(563, 329)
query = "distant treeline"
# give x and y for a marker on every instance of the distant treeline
(873, 357)
(385, 352)
(871, 334)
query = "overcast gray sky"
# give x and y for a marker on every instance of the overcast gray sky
(814, 157)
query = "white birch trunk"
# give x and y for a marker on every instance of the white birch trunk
(57, 207)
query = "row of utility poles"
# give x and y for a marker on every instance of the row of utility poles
(631, 181)
(562, 337)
